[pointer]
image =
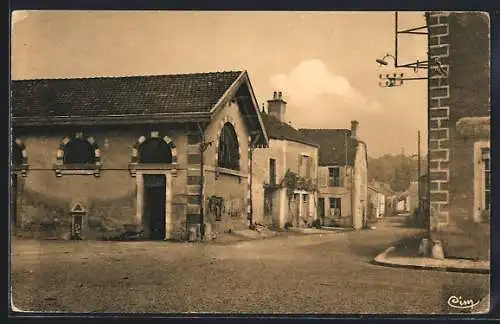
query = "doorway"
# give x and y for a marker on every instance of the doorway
(295, 209)
(154, 205)
(321, 210)
(268, 207)
(305, 207)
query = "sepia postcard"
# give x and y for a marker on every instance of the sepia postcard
(250, 162)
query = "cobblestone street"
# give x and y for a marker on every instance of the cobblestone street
(329, 273)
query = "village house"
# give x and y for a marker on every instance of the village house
(459, 133)
(342, 176)
(390, 199)
(163, 154)
(408, 199)
(376, 201)
(284, 174)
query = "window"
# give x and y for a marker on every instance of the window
(17, 155)
(305, 166)
(335, 207)
(485, 157)
(78, 155)
(155, 150)
(482, 180)
(272, 171)
(229, 150)
(334, 179)
(79, 151)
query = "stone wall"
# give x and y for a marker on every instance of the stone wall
(110, 199)
(229, 187)
(461, 43)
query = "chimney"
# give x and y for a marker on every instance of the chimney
(354, 128)
(277, 106)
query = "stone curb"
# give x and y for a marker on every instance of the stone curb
(423, 263)
(311, 231)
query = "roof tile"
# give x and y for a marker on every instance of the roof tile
(336, 147)
(105, 96)
(277, 129)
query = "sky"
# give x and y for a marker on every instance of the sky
(323, 62)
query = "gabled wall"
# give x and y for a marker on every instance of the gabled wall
(231, 186)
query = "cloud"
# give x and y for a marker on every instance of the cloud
(312, 84)
(19, 15)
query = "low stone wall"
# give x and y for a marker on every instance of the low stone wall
(45, 216)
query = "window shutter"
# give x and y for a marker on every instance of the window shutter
(342, 173)
(308, 167)
(323, 177)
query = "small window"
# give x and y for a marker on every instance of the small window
(228, 154)
(272, 171)
(334, 179)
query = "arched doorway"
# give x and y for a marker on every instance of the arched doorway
(154, 151)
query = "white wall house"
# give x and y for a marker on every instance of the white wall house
(289, 155)
(342, 174)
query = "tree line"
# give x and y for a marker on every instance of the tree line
(396, 170)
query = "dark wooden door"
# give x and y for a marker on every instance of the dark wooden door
(321, 209)
(154, 205)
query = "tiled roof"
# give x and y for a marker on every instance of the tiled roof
(283, 131)
(336, 147)
(131, 95)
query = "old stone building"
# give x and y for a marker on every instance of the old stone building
(94, 157)
(342, 176)
(284, 174)
(459, 132)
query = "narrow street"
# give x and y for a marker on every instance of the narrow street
(291, 274)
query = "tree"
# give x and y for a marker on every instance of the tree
(396, 170)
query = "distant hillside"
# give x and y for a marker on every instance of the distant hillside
(395, 170)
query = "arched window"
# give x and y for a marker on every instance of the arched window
(229, 150)
(155, 150)
(78, 154)
(17, 154)
(19, 157)
(79, 151)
